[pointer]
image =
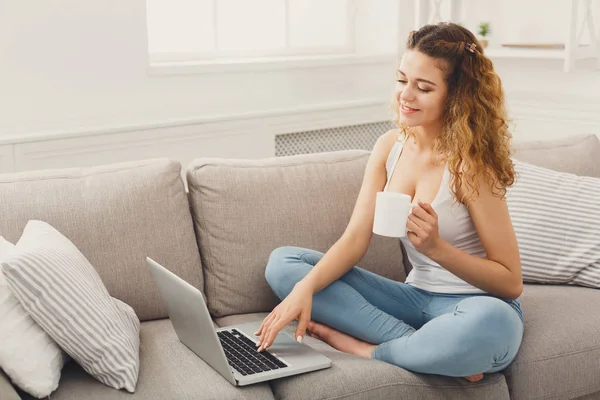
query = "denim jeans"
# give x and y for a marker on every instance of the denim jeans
(435, 333)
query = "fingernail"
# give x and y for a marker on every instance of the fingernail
(258, 343)
(299, 339)
(255, 333)
(260, 349)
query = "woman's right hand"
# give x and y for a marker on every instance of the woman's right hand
(297, 305)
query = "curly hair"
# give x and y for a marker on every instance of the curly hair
(475, 141)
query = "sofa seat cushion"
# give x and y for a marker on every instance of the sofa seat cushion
(7, 392)
(591, 396)
(168, 370)
(243, 209)
(116, 215)
(559, 357)
(352, 377)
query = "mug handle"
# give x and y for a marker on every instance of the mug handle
(410, 212)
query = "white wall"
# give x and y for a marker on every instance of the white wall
(67, 62)
(75, 90)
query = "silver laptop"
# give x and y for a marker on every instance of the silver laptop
(231, 350)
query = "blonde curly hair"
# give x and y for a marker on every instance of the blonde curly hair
(475, 141)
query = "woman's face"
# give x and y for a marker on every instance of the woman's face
(421, 90)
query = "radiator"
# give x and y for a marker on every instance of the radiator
(333, 139)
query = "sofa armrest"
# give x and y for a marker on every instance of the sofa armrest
(7, 392)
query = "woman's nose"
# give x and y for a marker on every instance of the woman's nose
(406, 95)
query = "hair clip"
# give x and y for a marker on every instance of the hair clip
(471, 47)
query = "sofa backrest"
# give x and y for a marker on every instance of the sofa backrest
(244, 209)
(579, 154)
(116, 215)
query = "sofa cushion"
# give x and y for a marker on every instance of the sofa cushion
(559, 357)
(578, 154)
(244, 209)
(168, 371)
(352, 377)
(116, 215)
(7, 392)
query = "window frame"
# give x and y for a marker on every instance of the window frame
(266, 64)
(298, 57)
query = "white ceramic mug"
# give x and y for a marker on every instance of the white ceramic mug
(391, 213)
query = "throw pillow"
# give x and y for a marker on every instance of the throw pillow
(28, 355)
(64, 294)
(556, 217)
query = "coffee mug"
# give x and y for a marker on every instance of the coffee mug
(391, 213)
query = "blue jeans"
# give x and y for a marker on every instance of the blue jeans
(434, 333)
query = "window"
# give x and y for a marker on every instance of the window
(205, 30)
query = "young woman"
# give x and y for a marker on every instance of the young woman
(458, 313)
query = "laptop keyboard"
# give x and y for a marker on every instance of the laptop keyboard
(242, 354)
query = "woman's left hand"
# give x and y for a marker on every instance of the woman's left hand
(423, 232)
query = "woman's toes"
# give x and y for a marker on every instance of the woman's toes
(316, 328)
(474, 378)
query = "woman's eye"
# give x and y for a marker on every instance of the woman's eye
(404, 82)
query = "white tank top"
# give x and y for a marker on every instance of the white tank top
(455, 226)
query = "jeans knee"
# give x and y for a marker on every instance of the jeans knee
(275, 270)
(492, 318)
(497, 312)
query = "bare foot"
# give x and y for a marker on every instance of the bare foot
(349, 344)
(474, 378)
(340, 341)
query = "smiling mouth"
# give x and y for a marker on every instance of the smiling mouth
(406, 108)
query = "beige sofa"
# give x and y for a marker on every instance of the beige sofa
(218, 237)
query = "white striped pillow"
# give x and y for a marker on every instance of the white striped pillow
(63, 293)
(556, 217)
(30, 357)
